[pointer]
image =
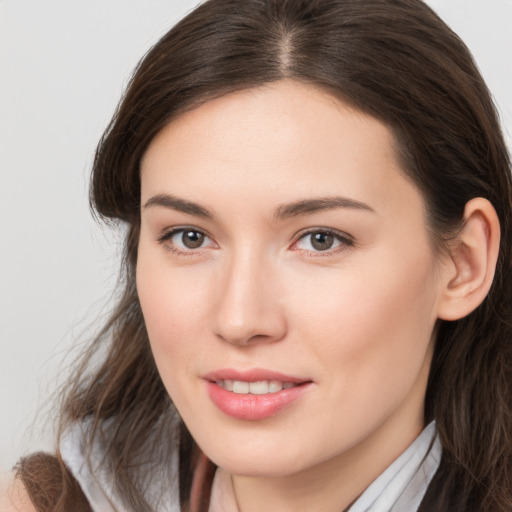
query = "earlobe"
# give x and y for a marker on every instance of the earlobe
(473, 257)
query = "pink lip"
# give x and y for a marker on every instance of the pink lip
(253, 407)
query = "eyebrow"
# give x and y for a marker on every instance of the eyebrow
(307, 206)
(285, 211)
(180, 205)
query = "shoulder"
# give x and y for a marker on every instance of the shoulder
(13, 495)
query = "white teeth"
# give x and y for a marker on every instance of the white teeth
(274, 386)
(240, 387)
(258, 388)
(261, 387)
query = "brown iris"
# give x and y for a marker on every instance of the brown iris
(192, 239)
(322, 241)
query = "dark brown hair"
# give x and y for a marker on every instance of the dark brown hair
(397, 61)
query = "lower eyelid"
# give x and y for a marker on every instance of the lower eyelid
(165, 239)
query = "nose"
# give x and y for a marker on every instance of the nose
(249, 306)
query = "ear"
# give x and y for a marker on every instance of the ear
(472, 262)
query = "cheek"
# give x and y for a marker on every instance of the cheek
(173, 305)
(370, 336)
(374, 318)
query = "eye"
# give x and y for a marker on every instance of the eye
(323, 240)
(183, 240)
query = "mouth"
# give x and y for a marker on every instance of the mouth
(254, 394)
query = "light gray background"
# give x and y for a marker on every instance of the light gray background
(63, 65)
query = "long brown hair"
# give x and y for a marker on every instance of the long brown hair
(395, 60)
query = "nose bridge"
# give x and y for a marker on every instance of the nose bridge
(248, 306)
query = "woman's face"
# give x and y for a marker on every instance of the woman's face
(287, 282)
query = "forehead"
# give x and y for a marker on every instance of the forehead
(277, 142)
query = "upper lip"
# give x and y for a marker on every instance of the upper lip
(252, 375)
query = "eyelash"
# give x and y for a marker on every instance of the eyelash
(167, 236)
(345, 241)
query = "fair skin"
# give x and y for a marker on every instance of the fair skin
(342, 295)
(13, 496)
(241, 267)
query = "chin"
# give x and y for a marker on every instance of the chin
(268, 468)
(258, 462)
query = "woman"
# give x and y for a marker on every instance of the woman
(316, 305)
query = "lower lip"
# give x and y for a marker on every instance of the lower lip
(254, 407)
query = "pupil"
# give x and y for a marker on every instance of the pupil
(192, 239)
(322, 241)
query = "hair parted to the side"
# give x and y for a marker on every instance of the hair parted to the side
(397, 61)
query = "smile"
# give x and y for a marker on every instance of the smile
(261, 387)
(254, 394)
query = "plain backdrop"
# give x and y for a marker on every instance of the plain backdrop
(63, 66)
